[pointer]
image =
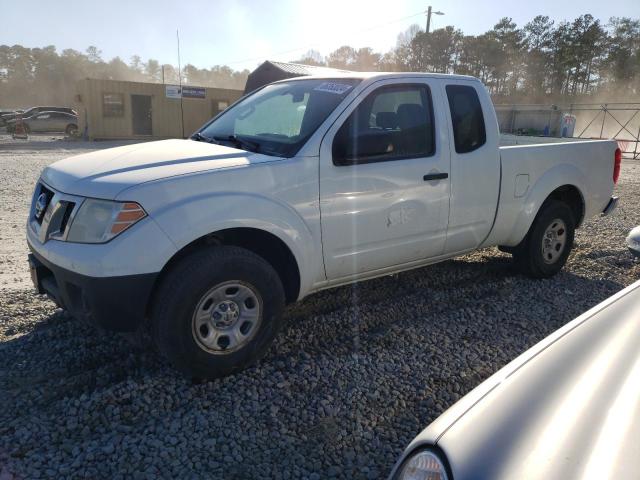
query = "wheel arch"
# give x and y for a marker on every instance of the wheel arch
(572, 196)
(568, 193)
(265, 244)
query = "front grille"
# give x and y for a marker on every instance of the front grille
(52, 213)
(41, 206)
(68, 209)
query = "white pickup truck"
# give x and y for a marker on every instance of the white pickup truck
(303, 185)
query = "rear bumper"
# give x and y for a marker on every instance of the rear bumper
(114, 303)
(611, 206)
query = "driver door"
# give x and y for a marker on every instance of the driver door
(384, 180)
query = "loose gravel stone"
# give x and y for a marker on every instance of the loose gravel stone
(355, 375)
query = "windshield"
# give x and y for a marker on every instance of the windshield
(278, 119)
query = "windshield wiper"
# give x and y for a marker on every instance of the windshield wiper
(198, 137)
(240, 142)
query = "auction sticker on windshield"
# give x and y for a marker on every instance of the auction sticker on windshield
(337, 88)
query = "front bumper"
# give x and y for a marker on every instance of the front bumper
(114, 303)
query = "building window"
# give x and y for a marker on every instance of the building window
(112, 104)
(219, 106)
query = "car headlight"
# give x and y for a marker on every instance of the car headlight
(98, 221)
(423, 465)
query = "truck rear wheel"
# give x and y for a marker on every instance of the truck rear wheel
(217, 312)
(545, 249)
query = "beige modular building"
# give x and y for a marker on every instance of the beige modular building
(113, 109)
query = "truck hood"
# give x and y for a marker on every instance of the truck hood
(567, 408)
(105, 173)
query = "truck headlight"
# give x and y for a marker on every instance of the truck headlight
(98, 221)
(423, 465)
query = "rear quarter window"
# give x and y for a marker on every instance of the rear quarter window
(469, 132)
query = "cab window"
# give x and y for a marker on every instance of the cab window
(466, 116)
(394, 122)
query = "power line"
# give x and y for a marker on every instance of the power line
(274, 54)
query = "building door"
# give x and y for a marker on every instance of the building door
(141, 113)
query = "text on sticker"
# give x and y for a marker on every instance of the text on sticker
(337, 88)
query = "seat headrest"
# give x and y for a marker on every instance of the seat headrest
(387, 120)
(411, 115)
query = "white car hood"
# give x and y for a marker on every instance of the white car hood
(105, 173)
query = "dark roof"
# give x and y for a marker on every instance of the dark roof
(301, 69)
(271, 71)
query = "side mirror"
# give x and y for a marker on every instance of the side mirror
(341, 148)
(363, 148)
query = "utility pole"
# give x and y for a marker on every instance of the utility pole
(180, 84)
(429, 13)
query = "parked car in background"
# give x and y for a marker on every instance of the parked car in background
(9, 112)
(568, 408)
(303, 185)
(7, 117)
(48, 122)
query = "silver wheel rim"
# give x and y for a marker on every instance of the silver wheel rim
(227, 317)
(554, 241)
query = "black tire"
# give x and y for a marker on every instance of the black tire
(180, 295)
(71, 129)
(529, 256)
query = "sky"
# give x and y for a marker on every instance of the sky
(243, 33)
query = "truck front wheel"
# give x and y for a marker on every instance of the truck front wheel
(217, 311)
(545, 249)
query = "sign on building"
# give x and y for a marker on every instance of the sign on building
(172, 91)
(194, 92)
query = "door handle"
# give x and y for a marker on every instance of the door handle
(435, 176)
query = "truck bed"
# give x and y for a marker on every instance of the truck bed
(530, 172)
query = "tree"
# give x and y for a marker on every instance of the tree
(342, 58)
(170, 74)
(311, 57)
(538, 38)
(389, 62)
(508, 60)
(118, 70)
(365, 60)
(436, 51)
(622, 65)
(93, 54)
(152, 70)
(588, 45)
(402, 54)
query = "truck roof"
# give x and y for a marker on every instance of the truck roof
(380, 76)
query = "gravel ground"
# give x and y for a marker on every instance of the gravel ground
(358, 372)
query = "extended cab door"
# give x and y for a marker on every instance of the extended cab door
(475, 163)
(384, 180)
